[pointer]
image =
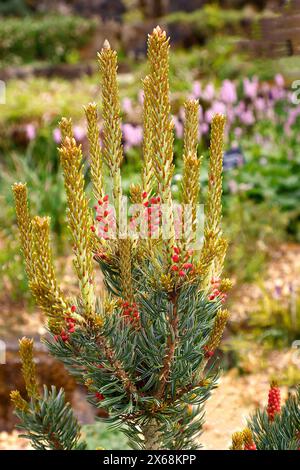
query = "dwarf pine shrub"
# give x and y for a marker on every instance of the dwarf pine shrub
(142, 349)
(275, 427)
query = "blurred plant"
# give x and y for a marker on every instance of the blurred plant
(142, 349)
(274, 428)
(290, 376)
(13, 281)
(276, 321)
(47, 186)
(14, 7)
(262, 118)
(52, 38)
(46, 419)
(109, 438)
(250, 229)
(211, 19)
(272, 324)
(40, 101)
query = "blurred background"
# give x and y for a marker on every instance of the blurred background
(238, 57)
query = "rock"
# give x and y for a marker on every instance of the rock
(106, 9)
(185, 34)
(133, 37)
(49, 372)
(158, 8)
(185, 5)
(154, 8)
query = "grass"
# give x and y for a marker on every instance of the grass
(101, 435)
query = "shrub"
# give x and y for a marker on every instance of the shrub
(249, 227)
(273, 428)
(53, 38)
(46, 184)
(14, 7)
(211, 20)
(142, 349)
(276, 320)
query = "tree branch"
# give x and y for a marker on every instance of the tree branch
(119, 371)
(170, 348)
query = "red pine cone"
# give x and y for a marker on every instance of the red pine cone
(273, 401)
(99, 396)
(251, 446)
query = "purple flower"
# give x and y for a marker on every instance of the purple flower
(30, 131)
(133, 135)
(229, 115)
(196, 90)
(279, 80)
(204, 128)
(277, 93)
(141, 97)
(178, 127)
(277, 291)
(57, 135)
(250, 87)
(247, 117)
(217, 108)
(233, 158)
(79, 133)
(238, 132)
(233, 186)
(259, 104)
(228, 92)
(209, 92)
(240, 108)
(127, 105)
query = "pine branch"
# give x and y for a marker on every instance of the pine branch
(95, 150)
(79, 217)
(116, 365)
(170, 347)
(49, 423)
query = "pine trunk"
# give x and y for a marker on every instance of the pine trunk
(152, 437)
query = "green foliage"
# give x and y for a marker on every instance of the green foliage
(250, 229)
(13, 278)
(211, 19)
(272, 167)
(276, 321)
(49, 423)
(290, 376)
(102, 433)
(14, 7)
(52, 38)
(28, 103)
(220, 59)
(283, 432)
(49, 197)
(142, 355)
(46, 182)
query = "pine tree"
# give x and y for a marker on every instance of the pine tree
(274, 427)
(46, 419)
(142, 350)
